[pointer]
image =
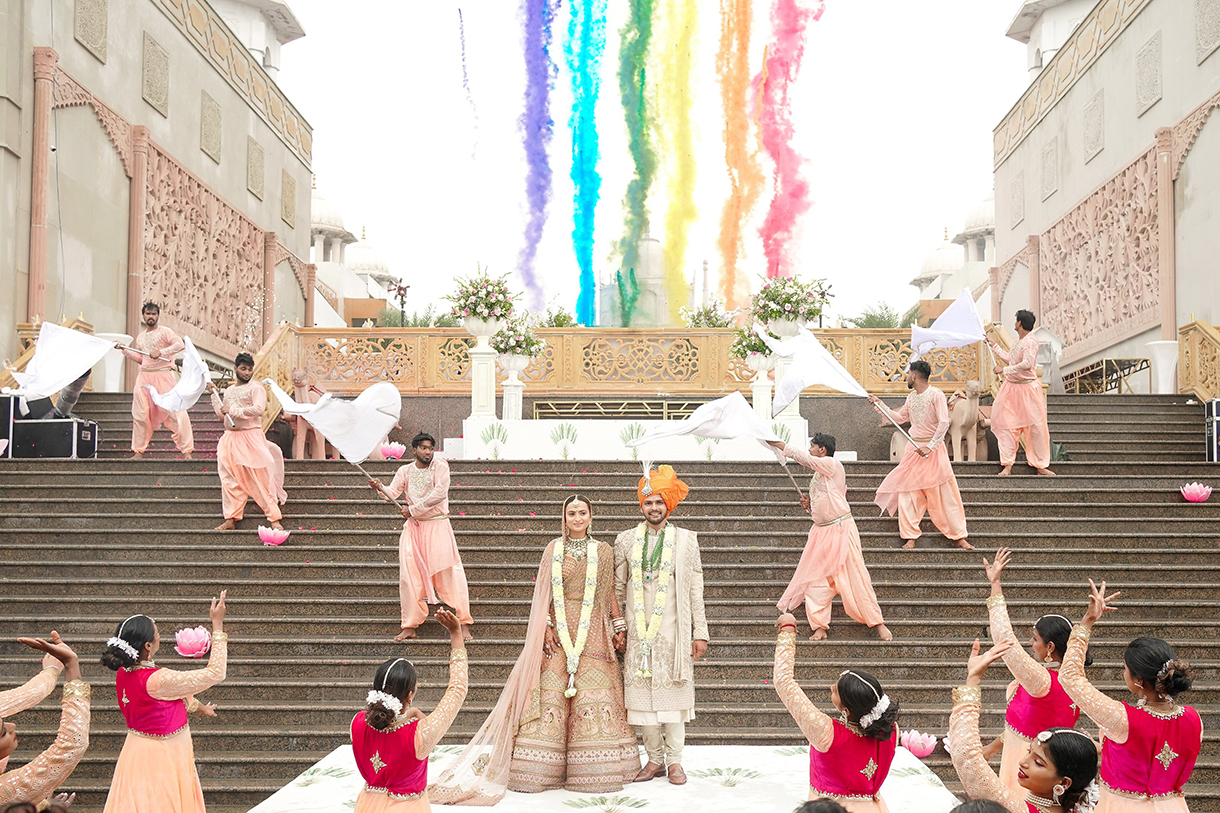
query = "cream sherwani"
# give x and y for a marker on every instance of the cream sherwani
(666, 700)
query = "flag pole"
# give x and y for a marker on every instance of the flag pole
(886, 414)
(793, 479)
(383, 495)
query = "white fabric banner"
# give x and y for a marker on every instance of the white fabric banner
(958, 326)
(812, 365)
(356, 427)
(191, 385)
(61, 356)
(725, 418)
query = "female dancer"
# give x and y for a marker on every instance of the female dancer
(849, 758)
(37, 779)
(561, 721)
(156, 768)
(1056, 774)
(1149, 749)
(1036, 701)
(391, 745)
(832, 561)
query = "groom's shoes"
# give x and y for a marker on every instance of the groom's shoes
(651, 771)
(677, 776)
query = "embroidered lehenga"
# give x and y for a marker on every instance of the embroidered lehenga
(537, 739)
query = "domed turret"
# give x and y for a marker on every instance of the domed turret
(363, 258)
(944, 260)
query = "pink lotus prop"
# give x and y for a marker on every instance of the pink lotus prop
(392, 451)
(193, 642)
(921, 745)
(271, 536)
(1196, 492)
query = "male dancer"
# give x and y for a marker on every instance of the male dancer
(250, 466)
(658, 578)
(923, 480)
(1020, 408)
(156, 369)
(429, 567)
(832, 561)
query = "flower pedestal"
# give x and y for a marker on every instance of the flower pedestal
(482, 366)
(514, 387)
(760, 389)
(786, 329)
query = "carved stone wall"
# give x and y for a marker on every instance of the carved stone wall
(1207, 28)
(90, 25)
(156, 75)
(288, 199)
(1094, 126)
(203, 259)
(1100, 264)
(1050, 168)
(1016, 198)
(255, 172)
(209, 127)
(1148, 74)
(1187, 130)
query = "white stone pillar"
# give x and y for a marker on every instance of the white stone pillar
(319, 249)
(483, 380)
(793, 410)
(760, 390)
(513, 391)
(336, 247)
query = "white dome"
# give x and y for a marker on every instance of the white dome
(945, 260)
(361, 258)
(324, 214)
(982, 217)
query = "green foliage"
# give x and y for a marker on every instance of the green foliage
(746, 341)
(792, 750)
(1059, 452)
(392, 317)
(495, 436)
(913, 316)
(789, 299)
(556, 316)
(315, 775)
(564, 436)
(880, 315)
(784, 431)
(631, 432)
(712, 314)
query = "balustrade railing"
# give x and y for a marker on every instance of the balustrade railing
(1199, 360)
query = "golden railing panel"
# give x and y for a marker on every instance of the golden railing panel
(1199, 360)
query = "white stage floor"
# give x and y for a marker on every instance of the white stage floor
(722, 778)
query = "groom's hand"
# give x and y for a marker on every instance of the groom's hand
(620, 641)
(698, 649)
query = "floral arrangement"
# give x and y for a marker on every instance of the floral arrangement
(481, 297)
(712, 314)
(746, 341)
(789, 299)
(557, 316)
(518, 338)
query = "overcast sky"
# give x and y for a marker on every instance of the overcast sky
(894, 111)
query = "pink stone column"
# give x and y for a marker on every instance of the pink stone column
(138, 199)
(1035, 275)
(45, 61)
(994, 274)
(311, 292)
(1165, 225)
(270, 241)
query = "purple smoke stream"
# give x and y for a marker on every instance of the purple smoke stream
(537, 130)
(466, 85)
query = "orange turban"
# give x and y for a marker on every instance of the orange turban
(663, 481)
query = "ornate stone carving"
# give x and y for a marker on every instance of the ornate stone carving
(1094, 126)
(300, 269)
(1148, 74)
(67, 92)
(255, 172)
(1207, 28)
(288, 199)
(1100, 264)
(203, 259)
(640, 361)
(1187, 130)
(1089, 40)
(209, 127)
(1016, 199)
(90, 24)
(1050, 168)
(156, 75)
(1004, 272)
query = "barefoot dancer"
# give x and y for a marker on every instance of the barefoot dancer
(1020, 406)
(429, 566)
(923, 481)
(832, 561)
(250, 466)
(156, 370)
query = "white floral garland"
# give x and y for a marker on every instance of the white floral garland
(573, 650)
(647, 631)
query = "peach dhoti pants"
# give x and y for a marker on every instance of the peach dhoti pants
(1020, 410)
(147, 416)
(430, 571)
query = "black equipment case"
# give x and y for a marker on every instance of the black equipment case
(1213, 431)
(56, 437)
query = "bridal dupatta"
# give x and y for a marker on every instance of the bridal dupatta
(480, 775)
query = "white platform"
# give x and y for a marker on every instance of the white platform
(723, 778)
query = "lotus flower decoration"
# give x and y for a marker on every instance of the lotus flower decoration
(1196, 492)
(921, 745)
(272, 536)
(393, 451)
(193, 642)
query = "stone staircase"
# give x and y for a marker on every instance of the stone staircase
(86, 543)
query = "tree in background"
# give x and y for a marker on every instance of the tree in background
(882, 316)
(390, 317)
(557, 316)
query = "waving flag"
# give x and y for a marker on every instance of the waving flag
(725, 418)
(812, 365)
(61, 356)
(958, 326)
(356, 427)
(191, 385)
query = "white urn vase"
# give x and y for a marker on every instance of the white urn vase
(785, 328)
(514, 363)
(482, 329)
(760, 362)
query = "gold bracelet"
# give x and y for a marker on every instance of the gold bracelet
(77, 688)
(787, 637)
(457, 655)
(967, 695)
(996, 601)
(219, 637)
(1082, 632)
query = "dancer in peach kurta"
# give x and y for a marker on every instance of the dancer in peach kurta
(923, 481)
(429, 566)
(156, 370)
(832, 561)
(250, 466)
(1020, 406)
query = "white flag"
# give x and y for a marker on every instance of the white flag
(812, 365)
(958, 326)
(61, 356)
(356, 427)
(726, 418)
(191, 384)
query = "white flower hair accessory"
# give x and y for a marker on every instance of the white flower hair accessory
(1088, 799)
(388, 700)
(126, 648)
(873, 716)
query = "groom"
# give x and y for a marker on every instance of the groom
(659, 582)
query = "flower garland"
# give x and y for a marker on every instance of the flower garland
(647, 631)
(573, 650)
